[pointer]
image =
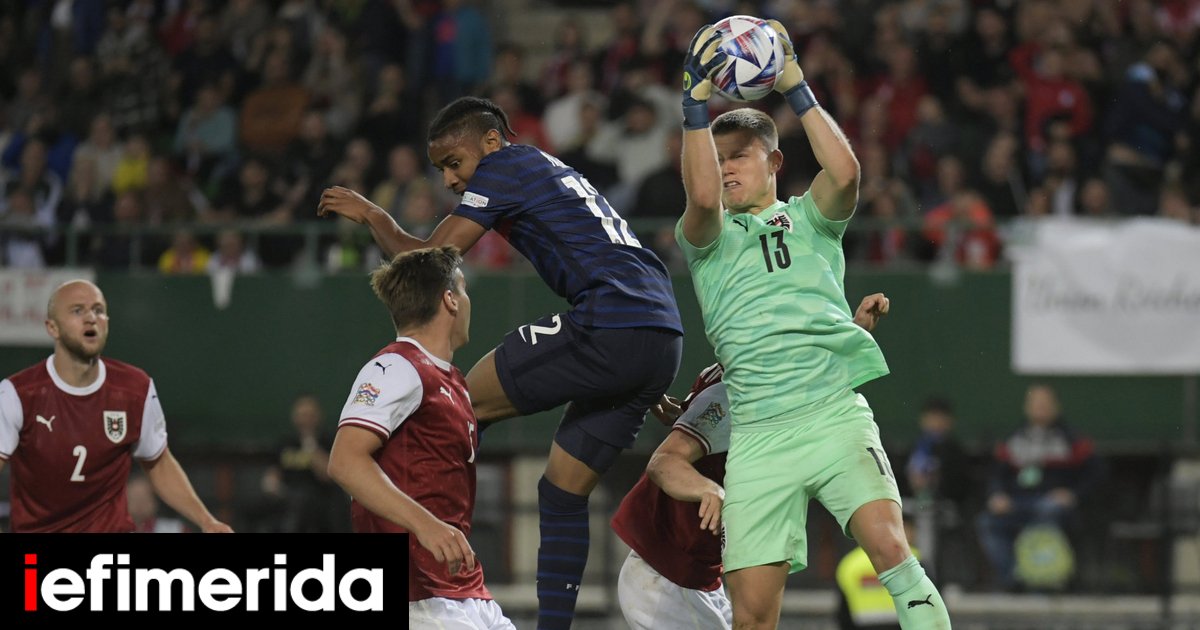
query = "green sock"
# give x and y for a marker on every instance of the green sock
(918, 603)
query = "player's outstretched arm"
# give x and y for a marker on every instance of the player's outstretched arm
(871, 309)
(701, 170)
(391, 238)
(353, 468)
(835, 188)
(171, 484)
(671, 468)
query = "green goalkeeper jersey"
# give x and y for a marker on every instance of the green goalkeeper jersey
(774, 304)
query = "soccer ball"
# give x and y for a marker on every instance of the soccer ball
(755, 55)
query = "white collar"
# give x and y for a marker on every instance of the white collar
(71, 389)
(445, 365)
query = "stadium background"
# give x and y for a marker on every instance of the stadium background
(303, 319)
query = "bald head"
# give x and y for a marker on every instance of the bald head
(77, 320)
(72, 287)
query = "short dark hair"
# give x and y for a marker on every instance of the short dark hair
(751, 120)
(469, 114)
(411, 284)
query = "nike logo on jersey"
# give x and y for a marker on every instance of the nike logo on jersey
(46, 422)
(918, 602)
(446, 392)
(383, 368)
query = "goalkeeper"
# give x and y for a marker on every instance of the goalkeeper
(769, 278)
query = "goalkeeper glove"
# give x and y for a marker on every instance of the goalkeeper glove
(791, 81)
(703, 61)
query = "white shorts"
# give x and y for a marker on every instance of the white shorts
(438, 613)
(652, 602)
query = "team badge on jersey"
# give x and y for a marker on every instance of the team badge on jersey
(782, 220)
(115, 425)
(712, 415)
(367, 395)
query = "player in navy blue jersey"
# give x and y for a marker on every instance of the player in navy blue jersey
(610, 356)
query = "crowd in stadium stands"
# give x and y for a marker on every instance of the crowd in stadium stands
(965, 115)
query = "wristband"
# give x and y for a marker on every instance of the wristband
(695, 116)
(801, 98)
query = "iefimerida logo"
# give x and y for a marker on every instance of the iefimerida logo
(111, 583)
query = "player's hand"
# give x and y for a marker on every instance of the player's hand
(872, 308)
(447, 545)
(703, 61)
(216, 527)
(710, 510)
(792, 75)
(346, 202)
(667, 410)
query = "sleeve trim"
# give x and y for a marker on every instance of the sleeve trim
(692, 433)
(366, 424)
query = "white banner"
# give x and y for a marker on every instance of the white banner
(23, 297)
(1107, 298)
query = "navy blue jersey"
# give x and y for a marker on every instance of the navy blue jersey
(579, 245)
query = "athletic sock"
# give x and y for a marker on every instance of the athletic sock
(919, 606)
(562, 554)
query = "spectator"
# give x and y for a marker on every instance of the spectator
(1051, 94)
(20, 241)
(564, 114)
(80, 97)
(462, 50)
(207, 133)
(133, 169)
(334, 80)
(509, 72)
(43, 186)
(249, 196)
(97, 157)
(1000, 183)
(240, 23)
(115, 249)
(1148, 113)
(143, 509)
(312, 503)
(232, 254)
(962, 230)
(271, 114)
(134, 72)
(937, 467)
(635, 146)
(1094, 199)
(1040, 475)
(185, 257)
(661, 193)
(169, 198)
(568, 52)
(403, 171)
(311, 158)
(391, 116)
(1061, 178)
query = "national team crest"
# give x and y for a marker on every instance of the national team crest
(782, 220)
(115, 426)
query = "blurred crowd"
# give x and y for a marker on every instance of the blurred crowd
(217, 122)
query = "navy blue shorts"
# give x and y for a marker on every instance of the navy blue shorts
(610, 376)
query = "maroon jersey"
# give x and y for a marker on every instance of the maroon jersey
(665, 532)
(419, 405)
(71, 448)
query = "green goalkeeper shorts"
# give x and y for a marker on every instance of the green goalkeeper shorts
(830, 452)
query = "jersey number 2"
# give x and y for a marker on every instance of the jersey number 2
(80, 452)
(783, 258)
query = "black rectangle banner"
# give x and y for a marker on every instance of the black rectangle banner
(48, 580)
